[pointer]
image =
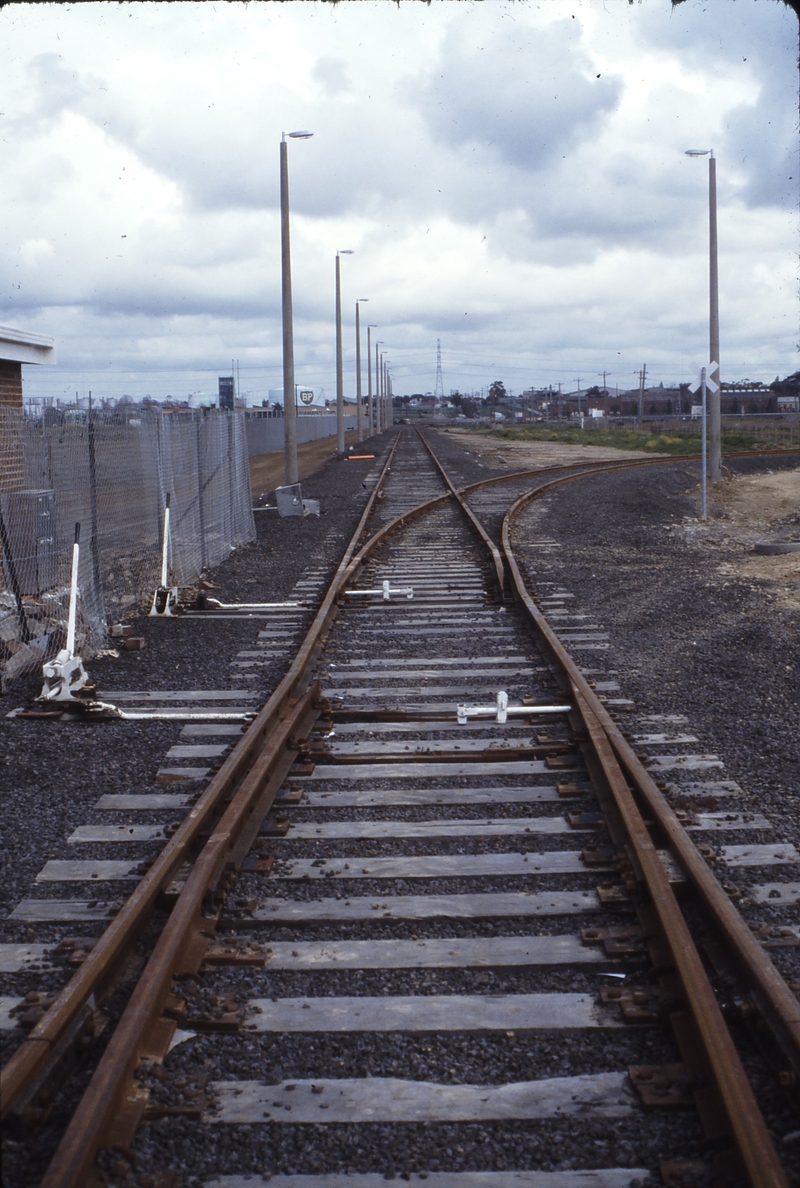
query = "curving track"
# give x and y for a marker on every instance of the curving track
(400, 944)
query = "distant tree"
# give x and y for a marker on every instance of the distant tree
(497, 391)
(468, 407)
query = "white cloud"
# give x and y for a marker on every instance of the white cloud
(499, 194)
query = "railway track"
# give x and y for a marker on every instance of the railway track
(395, 943)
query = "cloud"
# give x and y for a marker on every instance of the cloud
(529, 91)
(332, 76)
(756, 140)
(497, 192)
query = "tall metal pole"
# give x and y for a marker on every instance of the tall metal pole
(378, 410)
(339, 375)
(385, 392)
(715, 419)
(94, 543)
(384, 418)
(289, 412)
(359, 421)
(642, 378)
(370, 421)
(704, 444)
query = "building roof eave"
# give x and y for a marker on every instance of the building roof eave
(20, 346)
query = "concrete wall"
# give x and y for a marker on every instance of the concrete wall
(265, 434)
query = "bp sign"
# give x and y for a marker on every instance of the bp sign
(307, 397)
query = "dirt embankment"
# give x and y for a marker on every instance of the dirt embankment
(743, 509)
(266, 470)
(748, 508)
(530, 455)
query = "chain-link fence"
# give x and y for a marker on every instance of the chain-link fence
(110, 471)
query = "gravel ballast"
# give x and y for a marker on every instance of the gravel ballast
(284, 552)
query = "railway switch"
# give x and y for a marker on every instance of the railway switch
(165, 598)
(66, 682)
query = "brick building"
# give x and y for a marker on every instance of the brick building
(16, 348)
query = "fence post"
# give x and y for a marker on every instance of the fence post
(230, 516)
(200, 507)
(12, 577)
(93, 543)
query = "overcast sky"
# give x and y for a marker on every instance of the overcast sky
(511, 177)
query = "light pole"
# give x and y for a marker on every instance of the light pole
(339, 375)
(714, 418)
(384, 410)
(371, 422)
(384, 417)
(378, 410)
(359, 420)
(289, 411)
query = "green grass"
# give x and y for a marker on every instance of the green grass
(623, 439)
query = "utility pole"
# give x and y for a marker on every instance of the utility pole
(359, 418)
(339, 376)
(378, 410)
(713, 380)
(386, 403)
(715, 418)
(704, 444)
(289, 411)
(289, 421)
(371, 415)
(642, 377)
(339, 367)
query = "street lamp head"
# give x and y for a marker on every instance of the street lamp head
(699, 152)
(345, 252)
(300, 135)
(361, 300)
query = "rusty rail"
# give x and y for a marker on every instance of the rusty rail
(620, 764)
(497, 560)
(31, 1057)
(246, 783)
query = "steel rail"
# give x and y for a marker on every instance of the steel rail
(30, 1059)
(274, 729)
(612, 463)
(748, 1128)
(497, 560)
(106, 1095)
(775, 999)
(239, 776)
